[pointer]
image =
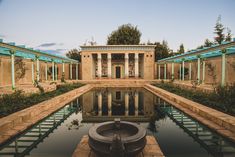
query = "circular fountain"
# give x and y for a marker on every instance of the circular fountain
(117, 138)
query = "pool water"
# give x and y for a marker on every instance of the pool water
(178, 134)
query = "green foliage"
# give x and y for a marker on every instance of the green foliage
(63, 78)
(229, 35)
(223, 98)
(20, 68)
(207, 43)
(10, 103)
(125, 35)
(161, 50)
(74, 54)
(219, 29)
(181, 50)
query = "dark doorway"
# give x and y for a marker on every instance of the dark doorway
(118, 72)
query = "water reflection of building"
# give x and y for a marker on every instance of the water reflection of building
(125, 103)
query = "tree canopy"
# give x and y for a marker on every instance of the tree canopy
(74, 54)
(181, 50)
(219, 29)
(161, 50)
(125, 35)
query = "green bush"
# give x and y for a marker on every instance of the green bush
(10, 103)
(222, 98)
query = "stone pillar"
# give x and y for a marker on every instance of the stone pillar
(203, 71)
(63, 74)
(126, 65)
(99, 69)
(56, 76)
(53, 71)
(46, 71)
(190, 71)
(99, 104)
(198, 69)
(109, 103)
(12, 69)
(71, 71)
(159, 71)
(126, 103)
(109, 57)
(180, 72)
(32, 71)
(76, 71)
(165, 71)
(136, 65)
(223, 68)
(183, 70)
(136, 103)
(38, 68)
(172, 71)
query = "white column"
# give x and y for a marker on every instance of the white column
(13, 70)
(38, 69)
(165, 71)
(223, 68)
(136, 65)
(136, 103)
(198, 69)
(183, 70)
(76, 71)
(180, 72)
(63, 67)
(46, 71)
(126, 103)
(53, 71)
(109, 103)
(126, 65)
(190, 71)
(33, 71)
(172, 71)
(71, 71)
(99, 104)
(159, 71)
(109, 57)
(203, 71)
(99, 65)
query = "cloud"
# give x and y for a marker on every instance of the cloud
(47, 44)
(56, 51)
(50, 44)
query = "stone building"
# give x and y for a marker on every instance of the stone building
(117, 62)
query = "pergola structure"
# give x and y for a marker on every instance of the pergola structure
(12, 50)
(224, 49)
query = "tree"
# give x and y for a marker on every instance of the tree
(207, 43)
(229, 35)
(125, 35)
(181, 50)
(74, 54)
(161, 50)
(219, 29)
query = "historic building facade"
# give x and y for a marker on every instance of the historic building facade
(117, 62)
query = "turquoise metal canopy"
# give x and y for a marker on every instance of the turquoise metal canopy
(206, 52)
(30, 53)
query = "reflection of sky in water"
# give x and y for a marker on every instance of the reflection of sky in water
(173, 140)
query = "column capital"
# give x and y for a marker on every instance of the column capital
(98, 55)
(126, 55)
(109, 56)
(136, 55)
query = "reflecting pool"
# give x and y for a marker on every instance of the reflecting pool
(177, 133)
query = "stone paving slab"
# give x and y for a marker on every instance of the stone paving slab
(151, 149)
(220, 122)
(19, 121)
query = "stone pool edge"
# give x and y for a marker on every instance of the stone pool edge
(17, 122)
(220, 122)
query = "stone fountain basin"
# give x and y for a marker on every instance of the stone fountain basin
(133, 137)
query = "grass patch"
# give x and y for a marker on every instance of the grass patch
(222, 98)
(10, 103)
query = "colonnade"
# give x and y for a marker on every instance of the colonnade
(200, 61)
(54, 69)
(126, 102)
(109, 63)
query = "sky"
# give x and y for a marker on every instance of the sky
(60, 25)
